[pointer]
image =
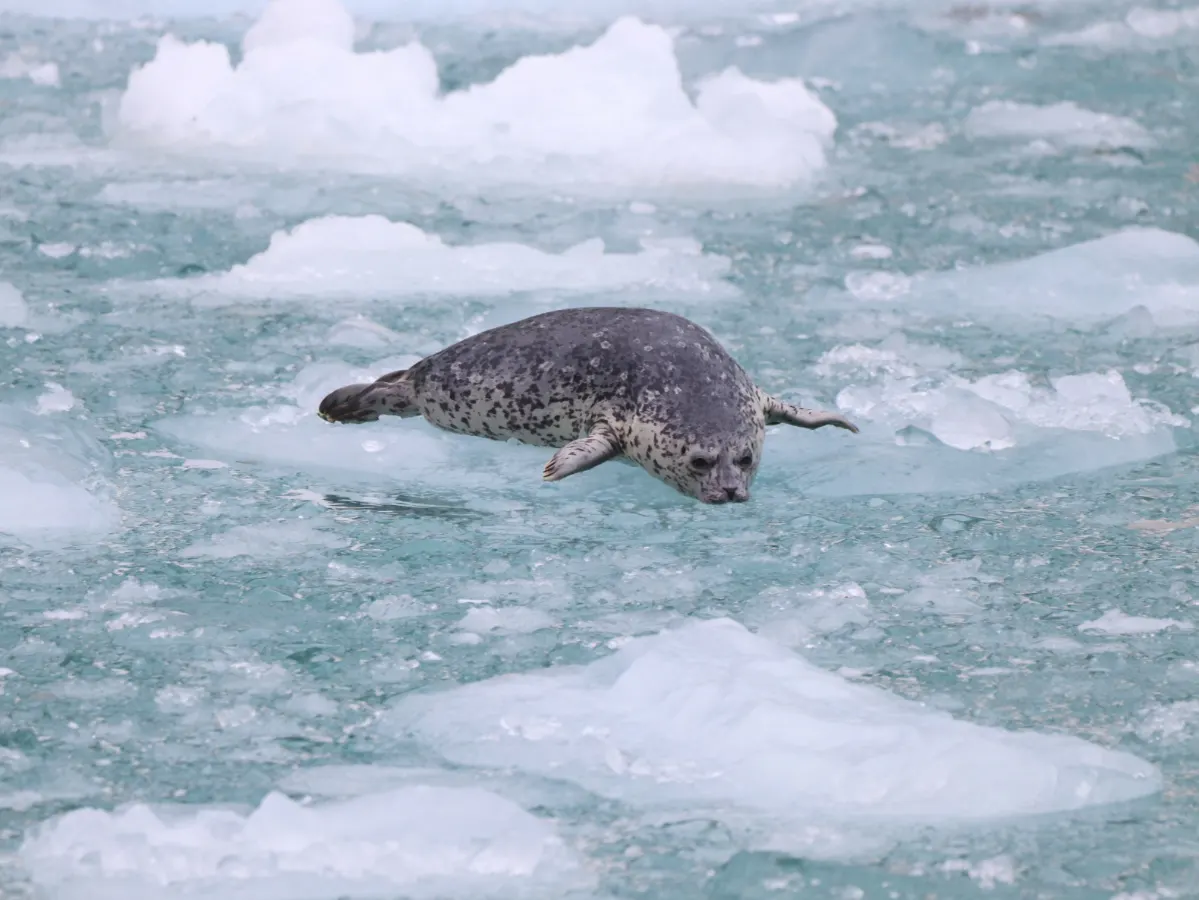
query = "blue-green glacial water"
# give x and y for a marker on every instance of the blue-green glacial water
(248, 654)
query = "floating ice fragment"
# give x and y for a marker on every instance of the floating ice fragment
(50, 477)
(1168, 721)
(1139, 25)
(1116, 622)
(611, 113)
(370, 255)
(19, 66)
(1091, 281)
(13, 311)
(417, 840)
(267, 540)
(711, 719)
(1062, 124)
(505, 620)
(56, 399)
(983, 414)
(877, 285)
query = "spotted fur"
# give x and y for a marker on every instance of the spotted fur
(599, 383)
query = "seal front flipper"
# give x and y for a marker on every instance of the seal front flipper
(779, 412)
(583, 454)
(390, 395)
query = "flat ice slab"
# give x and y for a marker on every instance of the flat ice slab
(1085, 283)
(716, 720)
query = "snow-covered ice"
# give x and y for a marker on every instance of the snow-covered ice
(611, 113)
(373, 256)
(416, 840)
(715, 720)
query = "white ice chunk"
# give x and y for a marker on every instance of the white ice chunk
(267, 540)
(56, 399)
(370, 255)
(614, 112)
(14, 313)
(51, 480)
(1062, 124)
(1116, 622)
(417, 840)
(714, 720)
(1087, 282)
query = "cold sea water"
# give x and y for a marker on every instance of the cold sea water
(249, 655)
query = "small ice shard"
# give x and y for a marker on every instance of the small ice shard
(505, 620)
(1116, 622)
(372, 256)
(416, 840)
(267, 540)
(612, 113)
(1062, 124)
(711, 718)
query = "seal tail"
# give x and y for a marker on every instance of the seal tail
(389, 395)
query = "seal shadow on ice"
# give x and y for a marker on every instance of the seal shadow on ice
(599, 383)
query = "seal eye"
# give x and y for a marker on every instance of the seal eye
(746, 461)
(701, 463)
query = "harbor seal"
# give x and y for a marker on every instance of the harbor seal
(599, 383)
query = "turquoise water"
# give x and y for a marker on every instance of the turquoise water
(206, 594)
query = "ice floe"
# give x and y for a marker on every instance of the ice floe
(1088, 282)
(719, 722)
(1059, 124)
(415, 840)
(1140, 25)
(611, 113)
(370, 255)
(18, 65)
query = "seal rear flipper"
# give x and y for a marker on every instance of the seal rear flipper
(583, 454)
(779, 412)
(357, 403)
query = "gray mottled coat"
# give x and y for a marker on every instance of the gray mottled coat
(598, 383)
